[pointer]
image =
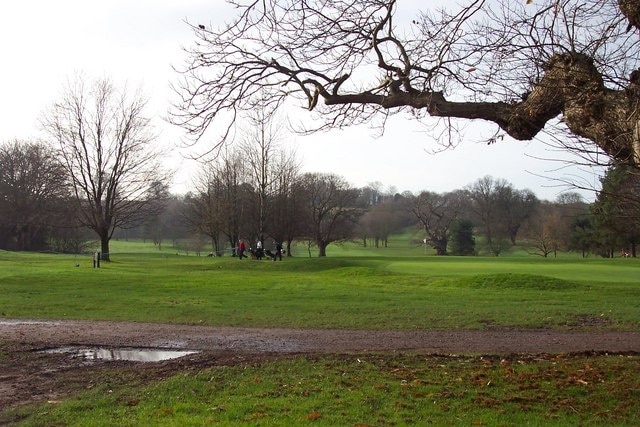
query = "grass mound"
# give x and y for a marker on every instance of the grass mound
(518, 281)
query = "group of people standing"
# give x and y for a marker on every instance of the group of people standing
(259, 251)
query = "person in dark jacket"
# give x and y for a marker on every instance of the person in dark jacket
(278, 251)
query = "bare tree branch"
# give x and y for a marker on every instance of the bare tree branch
(517, 65)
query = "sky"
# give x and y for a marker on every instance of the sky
(138, 42)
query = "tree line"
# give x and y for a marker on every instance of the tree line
(255, 191)
(487, 217)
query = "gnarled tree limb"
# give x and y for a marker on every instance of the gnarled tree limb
(514, 64)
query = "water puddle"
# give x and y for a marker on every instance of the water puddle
(129, 354)
(28, 322)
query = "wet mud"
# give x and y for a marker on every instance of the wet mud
(44, 360)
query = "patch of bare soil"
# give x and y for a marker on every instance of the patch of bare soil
(27, 374)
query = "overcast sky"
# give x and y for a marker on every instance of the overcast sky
(45, 43)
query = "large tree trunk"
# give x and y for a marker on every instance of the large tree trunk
(636, 143)
(631, 9)
(571, 86)
(104, 247)
(322, 248)
(440, 245)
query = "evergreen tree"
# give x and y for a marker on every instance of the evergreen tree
(462, 241)
(617, 211)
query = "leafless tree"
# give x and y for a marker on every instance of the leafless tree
(372, 194)
(284, 221)
(106, 145)
(155, 224)
(549, 230)
(488, 202)
(379, 222)
(204, 209)
(258, 149)
(382, 215)
(522, 65)
(269, 166)
(33, 189)
(519, 208)
(229, 198)
(436, 213)
(330, 213)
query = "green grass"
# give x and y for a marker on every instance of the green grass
(388, 288)
(367, 390)
(387, 292)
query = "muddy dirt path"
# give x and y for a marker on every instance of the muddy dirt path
(274, 340)
(27, 374)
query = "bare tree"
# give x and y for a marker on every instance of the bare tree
(489, 199)
(155, 224)
(33, 188)
(267, 164)
(229, 195)
(204, 210)
(371, 194)
(437, 213)
(548, 230)
(521, 65)
(106, 145)
(257, 151)
(220, 205)
(519, 207)
(330, 212)
(284, 222)
(379, 222)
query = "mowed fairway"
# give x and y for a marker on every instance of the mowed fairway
(379, 291)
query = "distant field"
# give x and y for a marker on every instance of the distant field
(352, 288)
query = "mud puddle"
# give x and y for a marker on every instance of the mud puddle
(112, 354)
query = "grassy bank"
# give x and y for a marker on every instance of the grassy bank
(367, 391)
